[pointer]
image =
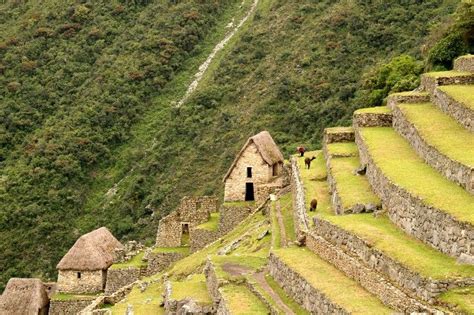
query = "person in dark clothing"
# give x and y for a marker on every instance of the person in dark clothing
(301, 150)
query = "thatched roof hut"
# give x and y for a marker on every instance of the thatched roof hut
(266, 147)
(24, 296)
(92, 251)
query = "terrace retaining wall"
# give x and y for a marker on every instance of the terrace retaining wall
(427, 223)
(406, 98)
(68, 307)
(158, 262)
(372, 119)
(429, 83)
(199, 238)
(455, 171)
(118, 278)
(464, 63)
(299, 200)
(231, 215)
(457, 110)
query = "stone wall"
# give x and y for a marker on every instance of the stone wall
(372, 119)
(338, 134)
(430, 225)
(158, 262)
(184, 306)
(300, 290)
(453, 170)
(462, 113)
(464, 63)
(298, 200)
(231, 215)
(429, 83)
(199, 238)
(70, 307)
(169, 231)
(407, 97)
(89, 281)
(118, 278)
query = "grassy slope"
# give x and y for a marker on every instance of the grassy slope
(194, 287)
(461, 93)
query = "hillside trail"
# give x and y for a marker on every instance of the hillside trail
(281, 225)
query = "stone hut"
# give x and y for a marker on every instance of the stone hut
(24, 296)
(173, 230)
(84, 267)
(256, 170)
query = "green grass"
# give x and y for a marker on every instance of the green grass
(239, 203)
(286, 208)
(409, 93)
(239, 300)
(146, 302)
(461, 93)
(193, 287)
(295, 307)
(353, 189)
(377, 109)
(342, 148)
(463, 298)
(276, 234)
(136, 262)
(71, 297)
(403, 166)
(441, 131)
(331, 282)
(182, 250)
(212, 224)
(253, 263)
(184, 239)
(385, 236)
(447, 74)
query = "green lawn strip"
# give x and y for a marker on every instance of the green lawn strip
(441, 131)
(136, 262)
(266, 296)
(353, 189)
(252, 263)
(461, 93)
(146, 302)
(447, 74)
(407, 93)
(276, 236)
(193, 287)
(386, 237)
(399, 162)
(286, 208)
(342, 148)
(182, 250)
(240, 300)
(71, 297)
(295, 307)
(377, 109)
(212, 224)
(462, 297)
(331, 282)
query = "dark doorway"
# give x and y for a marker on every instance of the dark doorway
(249, 195)
(184, 234)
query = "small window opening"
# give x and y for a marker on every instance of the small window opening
(275, 169)
(78, 275)
(249, 172)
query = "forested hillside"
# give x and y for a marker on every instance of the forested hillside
(90, 134)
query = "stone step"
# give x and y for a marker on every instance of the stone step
(418, 198)
(405, 97)
(350, 192)
(189, 296)
(338, 134)
(464, 63)
(458, 102)
(380, 116)
(437, 138)
(320, 287)
(430, 81)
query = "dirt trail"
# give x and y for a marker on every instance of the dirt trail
(281, 224)
(262, 282)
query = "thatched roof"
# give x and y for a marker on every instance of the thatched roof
(265, 146)
(92, 251)
(23, 296)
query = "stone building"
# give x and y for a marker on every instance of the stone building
(256, 170)
(24, 296)
(84, 267)
(174, 229)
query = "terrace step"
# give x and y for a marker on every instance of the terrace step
(464, 63)
(375, 243)
(419, 199)
(338, 134)
(430, 81)
(439, 140)
(380, 116)
(405, 97)
(458, 102)
(318, 286)
(351, 192)
(188, 295)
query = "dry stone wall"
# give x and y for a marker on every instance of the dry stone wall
(427, 223)
(298, 199)
(72, 281)
(463, 114)
(231, 215)
(339, 134)
(429, 82)
(169, 231)
(184, 306)
(464, 63)
(199, 238)
(158, 262)
(411, 97)
(300, 290)
(453, 170)
(71, 307)
(372, 119)
(118, 278)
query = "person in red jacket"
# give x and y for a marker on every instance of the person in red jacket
(301, 150)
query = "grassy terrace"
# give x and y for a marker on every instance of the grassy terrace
(461, 93)
(183, 250)
(403, 166)
(295, 307)
(405, 93)
(250, 262)
(378, 109)
(441, 131)
(71, 297)
(342, 149)
(136, 262)
(239, 300)
(331, 282)
(339, 129)
(286, 207)
(383, 234)
(447, 74)
(462, 297)
(276, 234)
(353, 189)
(193, 287)
(146, 302)
(212, 224)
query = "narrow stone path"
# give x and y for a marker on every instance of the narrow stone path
(262, 282)
(281, 224)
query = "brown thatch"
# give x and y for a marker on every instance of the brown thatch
(265, 146)
(92, 251)
(23, 296)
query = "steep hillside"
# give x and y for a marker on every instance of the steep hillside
(90, 134)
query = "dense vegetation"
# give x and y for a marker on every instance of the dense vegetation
(88, 132)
